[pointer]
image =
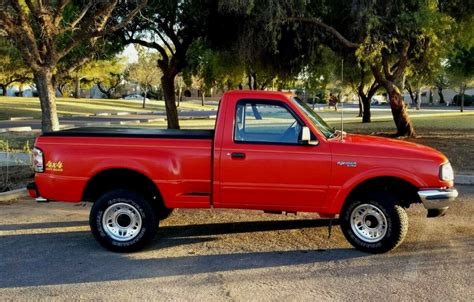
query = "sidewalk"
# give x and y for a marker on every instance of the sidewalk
(14, 159)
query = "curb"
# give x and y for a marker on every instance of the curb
(153, 120)
(97, 124)
(129, 122)
(21, 118)
(19, 129)
(14, 194)
(464, 179)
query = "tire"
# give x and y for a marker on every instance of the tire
(164, 213)
(123, 221)
(374, 224)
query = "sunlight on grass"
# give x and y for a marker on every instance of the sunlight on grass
(14, 106)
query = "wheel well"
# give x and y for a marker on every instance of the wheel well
(121, 179)
(405, 192)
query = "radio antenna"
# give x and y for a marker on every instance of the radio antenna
(342, 103)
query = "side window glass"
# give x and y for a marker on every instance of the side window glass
(267, 123)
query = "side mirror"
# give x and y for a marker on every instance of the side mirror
(306, 137)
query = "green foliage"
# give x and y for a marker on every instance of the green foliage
(322, 70)
(207, 68)
(460, 68)
(12, 68)
(145, 72)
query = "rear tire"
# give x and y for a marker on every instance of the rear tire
(374, 224)
(123, 221)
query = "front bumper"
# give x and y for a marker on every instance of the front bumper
(437, 201)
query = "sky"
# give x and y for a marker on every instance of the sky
(130, 53)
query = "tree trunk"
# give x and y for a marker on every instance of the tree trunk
(431, 97)
(77, 87)
(462, 90)
(418, 99)
(441, 96)
(167, 84)
(250, 81)
(144, 98)
(202, 97)
(412, 95)
(366, 114)
(4, 89)
(399, 111)
(361, 107)
(44, 83)
(180, 94)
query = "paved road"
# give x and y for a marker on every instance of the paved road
(46, 252)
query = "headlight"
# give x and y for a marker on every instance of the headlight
(446, 172)
(38, 160)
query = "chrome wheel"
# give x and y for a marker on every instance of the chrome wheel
(122, 221)
(368, 223)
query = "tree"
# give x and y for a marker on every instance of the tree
(386, 36)
(12, 69)
(145, 72)
(170, 27)
(441, 82)
(461, 70)
(363, 84)
(46, 32)
(106, 74)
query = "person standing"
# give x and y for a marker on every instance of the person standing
(333, 101)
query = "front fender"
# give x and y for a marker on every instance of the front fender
(342, 192)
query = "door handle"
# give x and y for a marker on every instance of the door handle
(240, 155)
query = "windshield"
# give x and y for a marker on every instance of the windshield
(315, 118)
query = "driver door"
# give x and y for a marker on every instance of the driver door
(265, 167)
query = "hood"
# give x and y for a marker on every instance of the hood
(376, 146)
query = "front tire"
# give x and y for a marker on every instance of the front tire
(123, 221)
(374, 224)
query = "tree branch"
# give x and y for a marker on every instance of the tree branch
(171, 34)
(79, 18)
(402, 62)
(148, 44)
(58, 13)
(342, 40)
(164, 41)
(104, 16)
(385, 67)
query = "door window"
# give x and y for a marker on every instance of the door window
(265, 123)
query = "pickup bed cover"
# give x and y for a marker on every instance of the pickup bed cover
(134, 132)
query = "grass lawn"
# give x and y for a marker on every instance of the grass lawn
(20, 107)
(453, 135)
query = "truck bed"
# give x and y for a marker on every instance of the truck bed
(134, 132)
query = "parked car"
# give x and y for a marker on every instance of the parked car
(135, 97)
(269, 151)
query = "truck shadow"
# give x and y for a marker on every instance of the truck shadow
(74, 257)
(43, 225)
(241, 227)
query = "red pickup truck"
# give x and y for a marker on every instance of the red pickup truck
(269, 151)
